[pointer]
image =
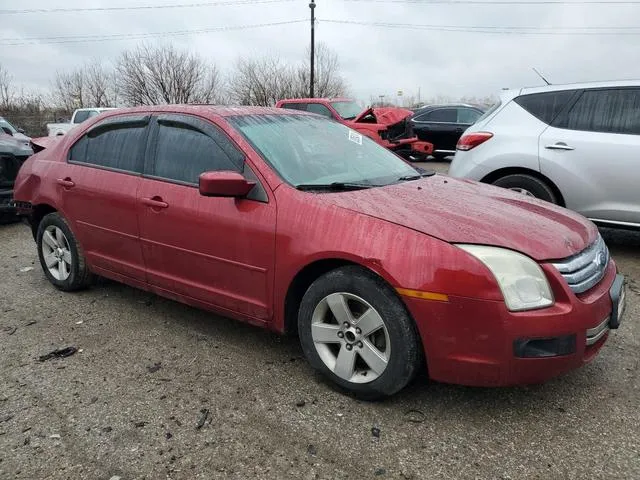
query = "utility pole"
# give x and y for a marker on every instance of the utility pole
(312, 6)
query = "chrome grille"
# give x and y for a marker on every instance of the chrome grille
(584, 270)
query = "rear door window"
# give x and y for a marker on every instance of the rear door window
(117, 144)
(81, 116)
(605, 110)
(442, 115)
(319, 109)
(295, 106)
(545, 106)
(186, 148)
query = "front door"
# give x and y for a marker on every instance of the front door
(98, 186)
(591, 152)
(218, 251)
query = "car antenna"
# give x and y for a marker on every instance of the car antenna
(540, 75)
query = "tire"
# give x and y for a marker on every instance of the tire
(58, 246)
(528, 185)
(440, 157)
(365, 299)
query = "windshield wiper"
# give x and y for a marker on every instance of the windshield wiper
(423, 173)
(335, 186)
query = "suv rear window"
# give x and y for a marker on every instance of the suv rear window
(545, 106)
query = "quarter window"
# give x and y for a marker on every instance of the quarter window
(183, 153)
(609, 111)
(81, 116)
(468, 116)
(545, 106)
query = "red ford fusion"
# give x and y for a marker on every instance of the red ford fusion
(294, 222)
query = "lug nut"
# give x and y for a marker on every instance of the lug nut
(349, 346)
(346, 325)
(358, 331)
(340, 334)
(359, 344)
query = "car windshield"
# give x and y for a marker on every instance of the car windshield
(347, 110)
(4, 124)
(310, 150)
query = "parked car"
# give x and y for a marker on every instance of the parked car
(294, 222)
(17, 133)
(80, 115)
(443, 125)
(386, 126)
(13, 153)
(573, 145)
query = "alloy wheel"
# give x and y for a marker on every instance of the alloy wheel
(56, 253)
(350, 337)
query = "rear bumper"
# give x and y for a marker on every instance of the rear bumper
(480, 343)
(410, 144)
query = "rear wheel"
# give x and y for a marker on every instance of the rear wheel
(61, 256)
(355, 331)
(527, 185)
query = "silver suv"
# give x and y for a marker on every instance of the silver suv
(574, 145)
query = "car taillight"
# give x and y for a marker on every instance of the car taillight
(472, 140)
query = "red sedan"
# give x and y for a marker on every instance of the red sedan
(297, 223)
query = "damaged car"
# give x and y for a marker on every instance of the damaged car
(13, 153)
(387, 126)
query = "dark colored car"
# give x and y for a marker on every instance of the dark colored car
(295, 222)
(13, 153)
(443, 125)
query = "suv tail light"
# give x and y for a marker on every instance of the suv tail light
(472, 140)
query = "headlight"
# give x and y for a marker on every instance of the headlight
(522, 281)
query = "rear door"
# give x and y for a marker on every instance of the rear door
(218, 251)
(98, 188)
(591, 152)
(438, 127)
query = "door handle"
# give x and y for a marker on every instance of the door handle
(65, 182)
(155, 202)
(559, 146)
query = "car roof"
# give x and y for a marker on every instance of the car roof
(446, 105)
(321, 99)
(206, 110)
(577, 86)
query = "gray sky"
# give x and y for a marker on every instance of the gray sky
(374, 60)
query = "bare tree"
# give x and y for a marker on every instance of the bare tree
(6, 88)
(264, 81)
(89, 86)
(327, 79)
(151, 75)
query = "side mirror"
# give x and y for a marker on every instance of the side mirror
(21, 130)
(224, 184)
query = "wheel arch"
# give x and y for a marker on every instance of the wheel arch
(502, 172)
(38, 213)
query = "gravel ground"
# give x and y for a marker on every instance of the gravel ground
(161, 390)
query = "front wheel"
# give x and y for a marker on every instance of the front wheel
(356, 332)
(61, 257)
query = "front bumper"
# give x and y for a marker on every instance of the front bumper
(6, 202)
(480, 343)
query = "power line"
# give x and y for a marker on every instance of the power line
(503, 30)
(504, 2)
(132, 36)
(138, 7)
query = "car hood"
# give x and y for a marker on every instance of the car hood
(463, 211)
(13, 146)
(385, 115)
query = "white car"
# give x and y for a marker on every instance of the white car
(574, 145)
(79, 116)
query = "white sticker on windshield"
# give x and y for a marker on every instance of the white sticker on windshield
(355, 137)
